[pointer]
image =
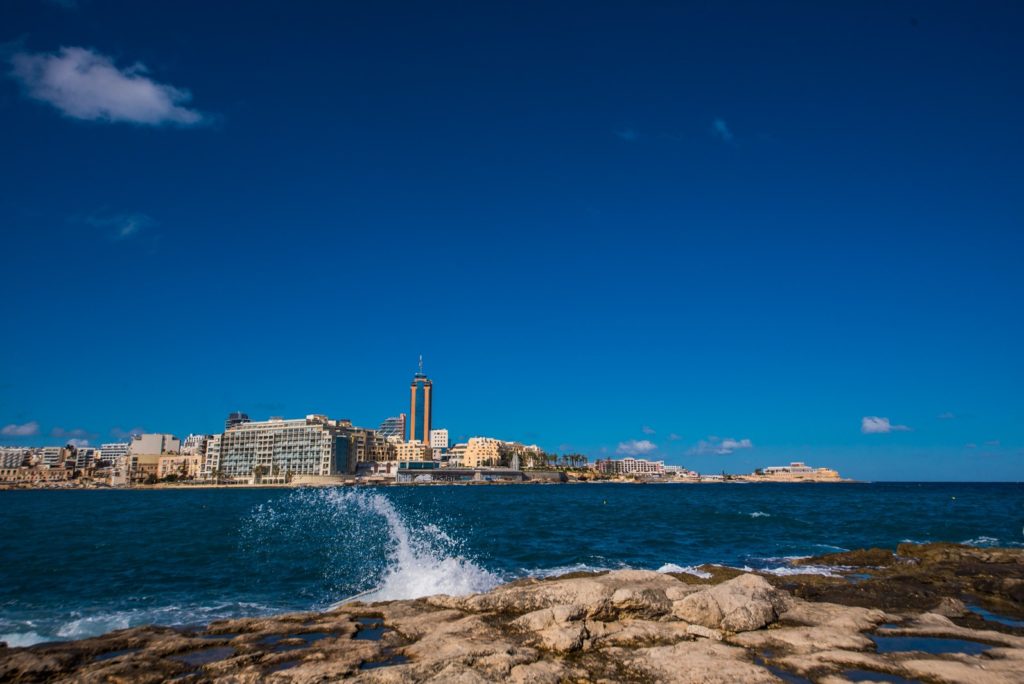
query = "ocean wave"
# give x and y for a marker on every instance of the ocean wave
(688, 569)
(760, 514)
(22, 639)
(397, 560)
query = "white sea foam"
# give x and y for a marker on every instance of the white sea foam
(418, 561)
(789, 570)
(760, 514)
(688, 569)
(981, 541)
(21, 639)
(559, 570)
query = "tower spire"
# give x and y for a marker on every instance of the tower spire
(421, 364)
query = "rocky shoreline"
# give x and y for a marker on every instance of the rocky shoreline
(929, 613)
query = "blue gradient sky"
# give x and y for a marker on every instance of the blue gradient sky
(601, 224)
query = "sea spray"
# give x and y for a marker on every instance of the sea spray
(366, 547)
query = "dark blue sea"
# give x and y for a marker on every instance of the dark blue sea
(79, 563)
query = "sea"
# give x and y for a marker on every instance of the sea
(79, 563)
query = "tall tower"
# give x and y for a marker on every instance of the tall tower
(420, 406)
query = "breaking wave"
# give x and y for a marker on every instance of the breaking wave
(368, 548)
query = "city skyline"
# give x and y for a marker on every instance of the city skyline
(623, 230)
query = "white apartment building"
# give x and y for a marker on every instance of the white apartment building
(631, 466)
(194, 445)
(114, 453)
(211, 458)
(276, 450)
(85, 457)
(438, 443)
(13, 457)
(51, 456)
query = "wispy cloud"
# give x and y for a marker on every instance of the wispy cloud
(946, 415)
(635, 447)
(992, 443)
(721, 130)
(84, 84)
(29, 429)
(126, 434)
(78, 443)
(875, 425)
(123, 226)
(673, 437)
(720, 447)
(628, 135)
(76, 433)
(647, 430)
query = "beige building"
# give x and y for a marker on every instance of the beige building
(186, 466)
(412, 451)
(153, 443)
(482, 451)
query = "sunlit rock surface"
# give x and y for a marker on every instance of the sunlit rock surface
(626, 626)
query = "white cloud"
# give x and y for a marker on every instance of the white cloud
(946, 415)
(971, 445)
(992, 443)
(720, 447)
(720, 129)
(61, 432)
(875, 425)
(84, 84)
(28, 429)
(635, 447)
(673, 437)
(78, 443)
(647, 430)
(123, 226)
(126, 434)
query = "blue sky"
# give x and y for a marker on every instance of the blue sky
(723, 234)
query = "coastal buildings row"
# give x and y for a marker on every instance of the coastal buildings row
(318, 449)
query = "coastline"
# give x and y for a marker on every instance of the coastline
(392, 483)
(705, 624)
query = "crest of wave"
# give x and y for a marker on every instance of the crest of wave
(364, 546)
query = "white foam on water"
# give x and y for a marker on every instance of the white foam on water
(760, 514)
(790, 570)
(981, 541)
(419, 561)
(22, 639)
(688, 569)
(560, 570)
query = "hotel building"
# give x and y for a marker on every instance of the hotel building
(420, 395)
(276, 450)
(630, 466)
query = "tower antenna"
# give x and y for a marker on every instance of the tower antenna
(421, 364)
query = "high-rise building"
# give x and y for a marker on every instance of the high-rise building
(393, 427)
(235, 418)
(420, 407)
